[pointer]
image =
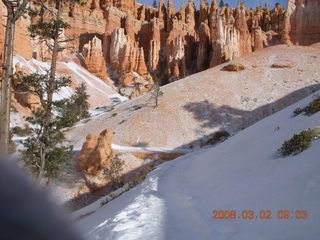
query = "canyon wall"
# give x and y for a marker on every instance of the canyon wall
(120, 36)
(302, 22)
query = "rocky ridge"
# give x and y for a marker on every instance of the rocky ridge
(123, 36)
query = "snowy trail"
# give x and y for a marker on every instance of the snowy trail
(243, 173)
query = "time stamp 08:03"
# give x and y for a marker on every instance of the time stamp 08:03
(260, 215)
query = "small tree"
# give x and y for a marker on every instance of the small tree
(114, 171)
(49, 31)
(155, 4)
(156, 92)
(221, 4)
(45, 152)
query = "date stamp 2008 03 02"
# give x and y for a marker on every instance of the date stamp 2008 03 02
(260, 214)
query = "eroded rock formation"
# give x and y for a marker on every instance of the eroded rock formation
(142, 85)
(96, 153)
(94, 60)
(125, 54)
(301, 26)
(174, 43)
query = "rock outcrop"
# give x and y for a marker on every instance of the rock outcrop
(125, 54)
(28, 100)
(94, 60)
(173, 43)
(96, 153)
(142, 85)
(301, 25)
(155, 45)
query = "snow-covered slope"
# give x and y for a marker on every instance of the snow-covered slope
(201, 104)
(243, 173)
(101, 93)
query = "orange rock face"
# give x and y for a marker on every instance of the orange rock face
(125, 55)
(174, 43)
(94, 61)
(302, 22)
(96, 153)
(142, 85)
(25, 99)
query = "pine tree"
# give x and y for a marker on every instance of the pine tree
(221, 4)
(155, 4)
(45, 152)
(76, 108)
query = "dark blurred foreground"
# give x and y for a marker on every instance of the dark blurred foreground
(26, 211)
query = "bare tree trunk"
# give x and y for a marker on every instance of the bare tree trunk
(54, 61)
(15, 9)
(6, 83)
(43, 162)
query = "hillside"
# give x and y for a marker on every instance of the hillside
(195, 107)
(100, 93)
(243, 173)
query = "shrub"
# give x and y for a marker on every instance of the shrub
(234, 67)
(298, 143)
(280, 66)
(114, 172)
(313, 107)
(298, 111)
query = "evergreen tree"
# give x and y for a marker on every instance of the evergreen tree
(45, 152)
(221, 4)
(76, 108)
(155, 4)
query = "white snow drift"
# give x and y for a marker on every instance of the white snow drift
(243, 173)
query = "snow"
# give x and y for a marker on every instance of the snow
(101, 93)
(243, 173)
(97, 204)
(149, 149)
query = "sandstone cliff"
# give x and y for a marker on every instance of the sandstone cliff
(174, 43)
(94, 60)
(301, 25)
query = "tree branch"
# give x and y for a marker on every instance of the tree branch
(21, 9)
